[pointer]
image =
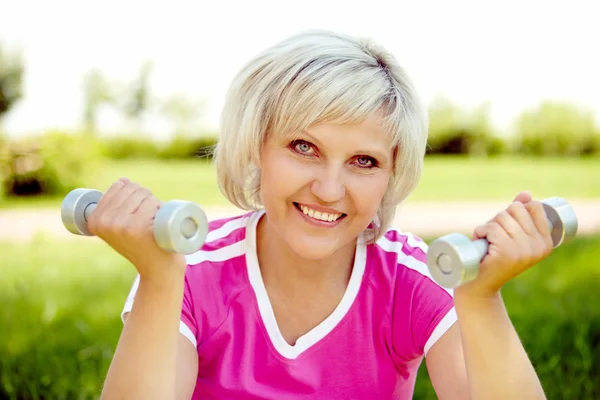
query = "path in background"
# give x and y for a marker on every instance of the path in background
(423, 219)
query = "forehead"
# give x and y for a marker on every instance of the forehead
(366, 134)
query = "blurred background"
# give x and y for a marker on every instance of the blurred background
(92, 91)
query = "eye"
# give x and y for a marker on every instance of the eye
(366, 162)
(302, 147)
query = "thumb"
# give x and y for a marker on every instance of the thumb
(523, 197)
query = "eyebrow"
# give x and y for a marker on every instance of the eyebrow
(380, 155)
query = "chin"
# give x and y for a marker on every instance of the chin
(314, 247)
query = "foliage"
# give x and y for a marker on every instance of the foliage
(180, 147)
(128, 147)
(48, 165)
(550, 130)
(134, 99)
(96, 92)
(456, 131)
(186, 147)
(557, 129)
(11, 80)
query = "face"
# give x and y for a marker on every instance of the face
(323, 188)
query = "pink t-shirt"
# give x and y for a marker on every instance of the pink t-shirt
(370, 347)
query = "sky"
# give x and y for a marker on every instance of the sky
(512, 54)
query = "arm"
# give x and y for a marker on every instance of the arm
(481, 356)
(496, 365)
(148, 354)
(153, 360)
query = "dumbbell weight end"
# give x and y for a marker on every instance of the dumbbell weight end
(191, 223)
(76, 208)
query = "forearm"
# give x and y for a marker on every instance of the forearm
(497, 365)
(144, 364)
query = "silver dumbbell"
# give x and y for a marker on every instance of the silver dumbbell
(179, 226)
(454, 259)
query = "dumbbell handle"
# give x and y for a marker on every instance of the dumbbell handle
(188, 226)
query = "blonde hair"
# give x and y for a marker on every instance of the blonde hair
(316, 77)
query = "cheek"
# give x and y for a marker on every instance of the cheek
(281, 177)
(368, 193)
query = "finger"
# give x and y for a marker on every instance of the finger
(523, 197)
(496, 237)
(106, 198)
(519, 212)
(142, 220)
(540, 220)
(147, 208)
(125, 217)
(98, 217)
(135, 199)
(492, 231)
(121, 200)
(509, 224)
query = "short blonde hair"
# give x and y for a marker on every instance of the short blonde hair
(316, 77)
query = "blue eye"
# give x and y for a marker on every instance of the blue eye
(302, 147)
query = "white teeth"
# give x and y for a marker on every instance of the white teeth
(319, 215)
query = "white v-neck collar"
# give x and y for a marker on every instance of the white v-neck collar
(266, 310)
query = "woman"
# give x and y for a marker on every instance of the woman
(311, 293)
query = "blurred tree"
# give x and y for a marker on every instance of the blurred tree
(96, 91)
(485, 139)
(11, 80)
(444, 119)
(456, 131)
(556, 129)
(136, 98)
(184, 112)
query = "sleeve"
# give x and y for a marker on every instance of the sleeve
(423, 310)
(187, 324)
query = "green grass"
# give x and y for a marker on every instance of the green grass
(461, 178)
(444, 179)
(61, 300)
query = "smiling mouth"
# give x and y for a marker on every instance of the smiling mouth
(319, 216)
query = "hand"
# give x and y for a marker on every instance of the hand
(124, 219)
(518, 239)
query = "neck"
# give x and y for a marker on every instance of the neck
(279, 263)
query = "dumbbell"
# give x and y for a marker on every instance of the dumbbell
(454, 259)
(179, 226)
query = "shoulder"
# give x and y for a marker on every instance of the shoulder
(421, 308)
(397, 261)
(222, 233)
(224, 240)
(400, 254)
(219, 267)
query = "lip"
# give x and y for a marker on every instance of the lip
(316, 222)
(320, 208)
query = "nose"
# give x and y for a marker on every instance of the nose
(329, 185)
